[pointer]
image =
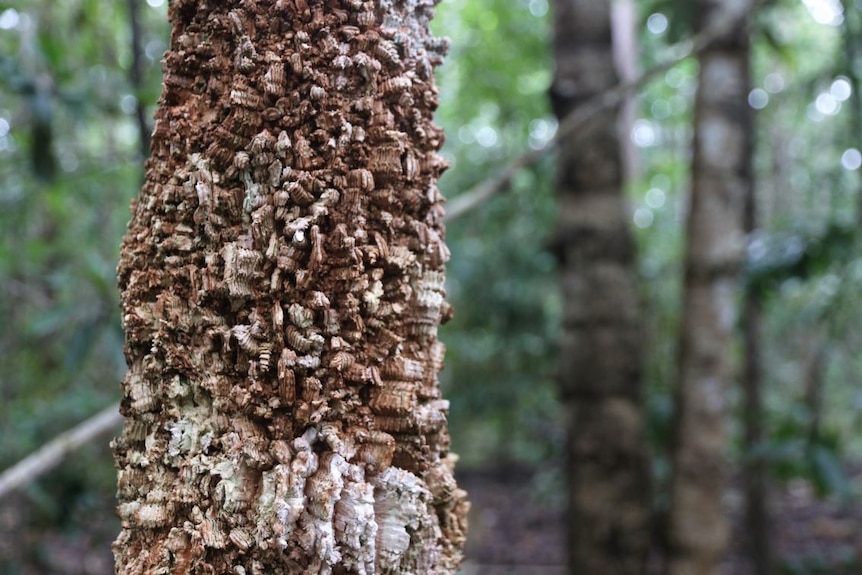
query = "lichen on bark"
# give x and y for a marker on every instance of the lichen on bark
(282, 283)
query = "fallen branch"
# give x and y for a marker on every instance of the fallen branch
(571, 127)
(52, 453)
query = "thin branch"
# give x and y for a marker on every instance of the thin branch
(572, 126)
(52, 453)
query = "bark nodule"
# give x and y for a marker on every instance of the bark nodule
(282, 282)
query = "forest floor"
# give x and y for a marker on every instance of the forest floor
(516, 528)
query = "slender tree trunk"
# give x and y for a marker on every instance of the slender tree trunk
(282, 282)
(815, 375)
(721, 176)
(600, 375)
(757, 513)
(850, 34)
(136, 76)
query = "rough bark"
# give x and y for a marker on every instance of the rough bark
(600, 371)
(721, 174)
(282, 282)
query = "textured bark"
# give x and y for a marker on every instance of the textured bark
(721, 174)
(282, 282)
(600, 372)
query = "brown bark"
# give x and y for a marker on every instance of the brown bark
(600, 373)
(282, 282)
(721, 174)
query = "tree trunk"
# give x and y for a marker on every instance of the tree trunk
(721, 174)
(758, 518)
(282, 282)
(757, 513)
(600, 375)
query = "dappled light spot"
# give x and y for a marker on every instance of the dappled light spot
(486, 136)
(655, 198)
(9, 19)
(774, 82)
(841, 89)
(128, 103)
(538, 8)
(541, 131)
(826, 104)
(828, 12)
(657, 23)
(643, 218)
(758, 98)
(851, 159)
(644, 134)
(813, 113)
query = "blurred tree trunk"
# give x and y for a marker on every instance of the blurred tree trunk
(600, 378)
(282, 282)
(850, 30)
(815, 376)
(136, 75)
(721, 175)
(624, 19)
(755, 471)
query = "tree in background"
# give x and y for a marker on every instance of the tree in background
(721, 178)
(282, 282)
(600, 369)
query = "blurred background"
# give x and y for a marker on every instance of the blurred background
(75, 108)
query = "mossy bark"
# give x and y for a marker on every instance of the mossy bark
(721, 177)
(282, 284)
(600, 370)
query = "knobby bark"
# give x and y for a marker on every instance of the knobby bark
(721, 174)
(282, 282)
(600, 371)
